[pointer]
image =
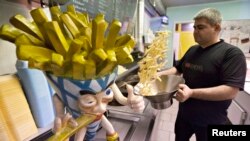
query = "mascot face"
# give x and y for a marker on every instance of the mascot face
(84, 96)
(95, 103)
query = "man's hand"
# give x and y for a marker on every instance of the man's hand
(134, 101)
(183, 93)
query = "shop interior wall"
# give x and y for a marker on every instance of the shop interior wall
(7, 49)
(230, 10)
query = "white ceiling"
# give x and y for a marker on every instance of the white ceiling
(174, 3)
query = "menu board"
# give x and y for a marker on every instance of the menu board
(123, 10)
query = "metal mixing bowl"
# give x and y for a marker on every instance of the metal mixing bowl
(163, 91)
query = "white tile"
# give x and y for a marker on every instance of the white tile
(165, 116)
(165, 110)
(160, 135)
(171, 111)
(172, 137)
(173, 117)
(175, 103)
(166, 126)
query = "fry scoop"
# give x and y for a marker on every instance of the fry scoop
(162, 91)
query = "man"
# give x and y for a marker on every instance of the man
(214, 72)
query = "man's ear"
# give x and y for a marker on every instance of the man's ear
(218, 27)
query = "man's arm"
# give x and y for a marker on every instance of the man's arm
(222, 92)
(170, 71)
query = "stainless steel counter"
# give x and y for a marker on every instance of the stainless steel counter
(130, 125)
(239, 110)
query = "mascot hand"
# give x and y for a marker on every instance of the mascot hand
(136, 102)
(62, 121)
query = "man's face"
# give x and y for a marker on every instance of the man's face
(95, 103)
(204, 33)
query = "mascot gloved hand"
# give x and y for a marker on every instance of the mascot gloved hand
(134, 101)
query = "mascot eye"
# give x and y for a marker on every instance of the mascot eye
(107, 95)
(108, 91)
(87, 101)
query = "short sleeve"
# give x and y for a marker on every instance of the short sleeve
(233, 71)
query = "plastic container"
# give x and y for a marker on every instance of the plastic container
(38, 93)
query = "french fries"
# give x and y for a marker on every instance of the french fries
(70, 45)
(154, 59)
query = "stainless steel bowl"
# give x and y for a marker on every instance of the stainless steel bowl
(163, 91)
